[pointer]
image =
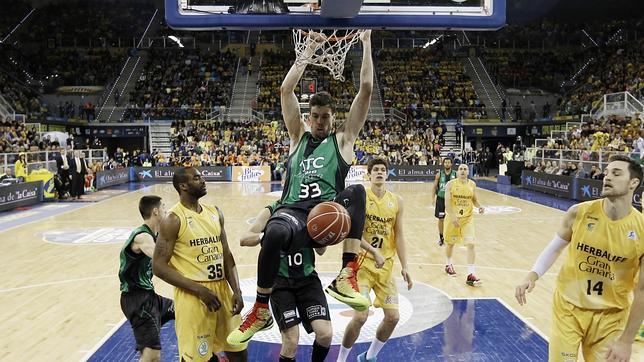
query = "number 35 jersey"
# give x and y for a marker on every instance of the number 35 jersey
(380, 223)
(198, 253)
(603, 258)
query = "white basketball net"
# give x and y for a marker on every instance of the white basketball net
(331, 52)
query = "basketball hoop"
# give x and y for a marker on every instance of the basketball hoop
(330, 53)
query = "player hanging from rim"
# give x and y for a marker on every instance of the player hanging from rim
(318, 164)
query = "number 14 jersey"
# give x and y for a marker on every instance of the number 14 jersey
(603, 258)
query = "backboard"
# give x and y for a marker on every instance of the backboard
(302, 14)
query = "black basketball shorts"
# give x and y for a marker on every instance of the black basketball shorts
(439, 212)
(147, 312)
(299, 300)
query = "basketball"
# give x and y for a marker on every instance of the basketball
(328, 223)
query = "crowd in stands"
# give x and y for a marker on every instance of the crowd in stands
(78, 67)
(183, 84)
(550, 33)
(614, 69)
(570, 168)
(198, 143)
(273, 69)
(531, 68)
(613, 134)
(17, 137)
(591, 143)
(416, 142)
(426, 84)
(581, 62)
(79, 22)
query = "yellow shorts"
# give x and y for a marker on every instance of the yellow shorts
(593, 329)
(200, 333)
(381, 281)
(463, 234)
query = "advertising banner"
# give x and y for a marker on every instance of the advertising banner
(550, 184)
(251, 174)
(112, 177)
(413, 173)
(209, 173)
(589, 189)
(22, 194)
(357, 173)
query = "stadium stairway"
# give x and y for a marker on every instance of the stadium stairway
(109, 111)
(451, 144)
(159, 133)
(484, 87)
(245, 87)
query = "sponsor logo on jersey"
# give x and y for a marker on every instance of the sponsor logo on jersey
(203, 348)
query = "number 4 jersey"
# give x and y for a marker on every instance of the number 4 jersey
(603, 258)
(198, 253)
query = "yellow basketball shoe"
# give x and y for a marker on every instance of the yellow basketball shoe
(257, 319)
(345, 288)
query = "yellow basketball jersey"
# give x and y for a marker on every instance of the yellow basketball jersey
(603, 258)
(198, 253)
(379, 225)
(462, 195)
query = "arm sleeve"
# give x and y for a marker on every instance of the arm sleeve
(549, 255)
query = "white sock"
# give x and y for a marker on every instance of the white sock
(344, 353)
(470, 268)
(374, 348)
(449, 261)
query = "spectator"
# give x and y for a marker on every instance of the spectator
(596, 173)
(20, 168)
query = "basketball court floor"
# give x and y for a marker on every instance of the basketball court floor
(59, 287)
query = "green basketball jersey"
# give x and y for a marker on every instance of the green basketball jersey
(135, 270)
(443, 180)
(316, 171)
(298, 264)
